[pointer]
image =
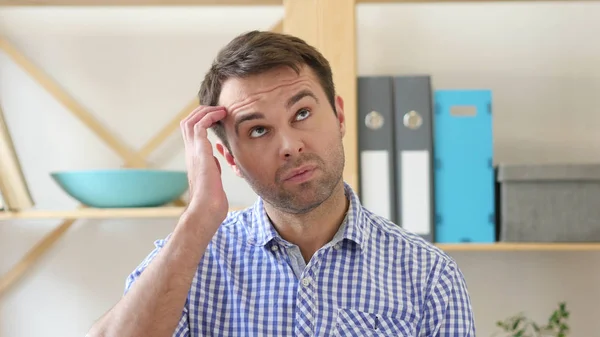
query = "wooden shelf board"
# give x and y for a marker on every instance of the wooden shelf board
(174, 212)
(95, 213)
(122, 3)
(213, 2)
(99, 213)
(454, 1)
(518, 246)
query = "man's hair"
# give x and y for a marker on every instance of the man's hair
(255, 52)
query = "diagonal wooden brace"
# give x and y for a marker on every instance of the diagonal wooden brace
(33, 255)
(131, 158)
(68, 101)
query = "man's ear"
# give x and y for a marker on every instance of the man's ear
(224, 151)
(339, 107)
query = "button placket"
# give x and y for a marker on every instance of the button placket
(307, 289)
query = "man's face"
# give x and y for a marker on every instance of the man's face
(285, 138)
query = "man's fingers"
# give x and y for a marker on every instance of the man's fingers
(187, 125)
(198, 114)
(207, 121)
(211, 118)
(199, 110)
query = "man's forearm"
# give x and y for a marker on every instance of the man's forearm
(153, 305)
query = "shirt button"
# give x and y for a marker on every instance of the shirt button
(274, 247)
(337, 246)
(306, 281)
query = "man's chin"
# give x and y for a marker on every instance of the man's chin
(305, 197)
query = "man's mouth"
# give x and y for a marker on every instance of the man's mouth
(300, 174)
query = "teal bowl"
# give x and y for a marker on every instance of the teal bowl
(122, 188)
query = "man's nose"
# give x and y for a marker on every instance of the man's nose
(291, 144)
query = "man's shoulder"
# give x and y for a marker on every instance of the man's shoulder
(406, 243)
(236, 225)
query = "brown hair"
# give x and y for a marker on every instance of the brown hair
(257, 51)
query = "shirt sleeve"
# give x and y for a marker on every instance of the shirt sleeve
(447, 310)
(183, 329)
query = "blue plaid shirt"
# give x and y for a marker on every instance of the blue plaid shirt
(372, 279)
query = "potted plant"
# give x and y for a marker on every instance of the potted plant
(521, 326)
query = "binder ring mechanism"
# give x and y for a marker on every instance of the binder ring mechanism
(413, 120)
(374, 120)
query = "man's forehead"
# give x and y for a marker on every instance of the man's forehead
(237, 92)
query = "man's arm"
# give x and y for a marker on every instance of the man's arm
(154, 304)
(447, 311)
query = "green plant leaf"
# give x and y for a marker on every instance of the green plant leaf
(520, 326)
(517, 322)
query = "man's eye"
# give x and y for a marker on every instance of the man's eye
(302, 114)
(257, 132)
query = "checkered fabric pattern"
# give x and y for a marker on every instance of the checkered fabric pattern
(373, 279)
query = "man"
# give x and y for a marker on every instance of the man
(307, 259)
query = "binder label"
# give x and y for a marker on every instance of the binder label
(416, 198)
(375, 183)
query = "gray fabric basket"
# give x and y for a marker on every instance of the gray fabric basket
(550, 203)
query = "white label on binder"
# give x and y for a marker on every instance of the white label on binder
(416, 204)
(375, 182)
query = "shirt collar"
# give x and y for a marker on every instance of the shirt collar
(262, 230)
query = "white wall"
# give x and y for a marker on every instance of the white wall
(135, 68)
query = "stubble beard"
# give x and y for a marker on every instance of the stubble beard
(306, 196)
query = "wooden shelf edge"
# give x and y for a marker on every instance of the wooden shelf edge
(94, 213)
(454, 1)
(518, 246)
(174, 212)
(126, 3)
(98, 213)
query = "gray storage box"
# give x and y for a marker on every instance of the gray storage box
(550, 203)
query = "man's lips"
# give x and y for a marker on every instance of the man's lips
(296, 173)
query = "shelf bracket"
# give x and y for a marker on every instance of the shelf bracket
(34, 254)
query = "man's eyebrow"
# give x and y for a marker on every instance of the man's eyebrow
(300, 95)
(247, 117)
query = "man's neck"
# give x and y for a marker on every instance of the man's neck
(312, 230)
